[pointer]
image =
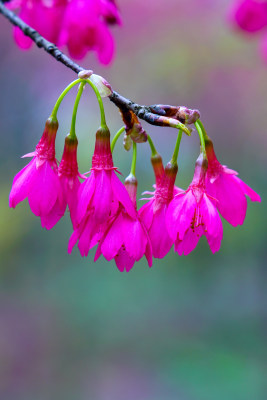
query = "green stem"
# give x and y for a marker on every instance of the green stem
(134, 159)
(176, 149)
(201, 137)
(100, 102)
(116, 137)
(75, 108)
(152, 146)
(61, 97)
(206, 137)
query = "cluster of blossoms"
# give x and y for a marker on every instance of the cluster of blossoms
(81, 25)
(251, 17)
(103, 210)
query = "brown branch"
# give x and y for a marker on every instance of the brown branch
(160, 115)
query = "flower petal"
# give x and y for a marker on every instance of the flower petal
(160, 240)
(124, 261)
(232, 203)
(180, 213)
(102, 196)
(85, 194)
(248, 191)
(134, 237)
(44, 193)
(22, 184)
(189, 242)
(113, 240)
(121, 194)
(210, 216)
(49, 220)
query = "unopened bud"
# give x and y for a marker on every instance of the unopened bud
(102, 85)
(188, 115)
(137, 133)
(85, 74)
(131, 186)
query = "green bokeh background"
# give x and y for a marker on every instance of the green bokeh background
(189, 328)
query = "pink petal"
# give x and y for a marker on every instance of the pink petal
(189, 242)
(22, 183)
(105, 44)
(113, 240)
(134, 238)
(214, 242)
(43, 195)
(148, 253)
(71, 195)
(57, 212)
(32, 154)
(232, 203)
(85, 194)
(210, 216)
(120, 192)
(248, 191)
(160, 239)
(180, 213)
(146, 213)
(102, 196)
(72, 241)
(124, 261)
(23, 41)
(84, 244)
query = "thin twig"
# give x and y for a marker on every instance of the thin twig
(155, 115)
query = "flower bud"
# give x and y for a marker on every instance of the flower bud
(158, 167)
(131, 186)
(102, 157)
(85, 74)
(102, 85)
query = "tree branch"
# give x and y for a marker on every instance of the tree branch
(160, 115)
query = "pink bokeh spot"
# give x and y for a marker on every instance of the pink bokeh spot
(250, 15)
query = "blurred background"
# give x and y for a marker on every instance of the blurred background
(189, 328)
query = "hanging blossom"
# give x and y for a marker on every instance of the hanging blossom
(126, 239)
(193, 213)
(103, 210)
(39, 180)
(81, 25)
(251, 17)
(153, 213)
(99, 197)
(229, 190)
(69, 177)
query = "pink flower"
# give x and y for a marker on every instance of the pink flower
(39, 180)
(193, 213)
(99, 197)
(153, 213)
(44, 16)
(125, 239)
(230, 191)
(81, 25)
(84, 30)
(250, 15)
(69, 177)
